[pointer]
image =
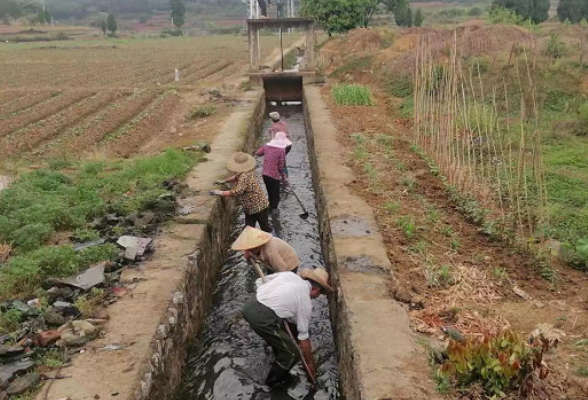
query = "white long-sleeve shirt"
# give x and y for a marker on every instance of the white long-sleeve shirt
(288, 295)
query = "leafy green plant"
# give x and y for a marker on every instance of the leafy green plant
(408, 227)
(556, 48)
(53, 358)
(400, 86)
(582, 250)
(446, 230)
(419, 247)
(499, 363)
(89, 303)
(201, 112)
(501, 15)
(392, 206)
(352, 95)
(409, 182)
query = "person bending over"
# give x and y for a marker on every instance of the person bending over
(278, 255)
(286, 297)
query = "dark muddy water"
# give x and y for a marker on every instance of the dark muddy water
(228, 360)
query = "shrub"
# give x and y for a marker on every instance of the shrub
(500, 362)
(352, 95)
(201, 112)
(556, 48)
(501, 15)
(583, 112)
(401, 86)
(475, 11)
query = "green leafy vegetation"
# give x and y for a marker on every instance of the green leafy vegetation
(201, 112)
(355, 64)
(408, 226)
(352, 95)
(499, 363)
(556, 48)
(44, 202)
(401, 86)
(572, 10)
(24, 273)
(501, 15)
(339, 15)
(533, 10)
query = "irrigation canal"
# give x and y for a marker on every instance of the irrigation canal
(228, 360)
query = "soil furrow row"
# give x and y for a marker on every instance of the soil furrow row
(42, 111)
(206, 72)
(31, 137)
(23, 103)
(8, 96)
(81, 139)
(129, 139)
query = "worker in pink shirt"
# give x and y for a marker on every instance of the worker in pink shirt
(278, 126)
(274, 163)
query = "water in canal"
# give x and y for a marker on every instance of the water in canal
(228, 360)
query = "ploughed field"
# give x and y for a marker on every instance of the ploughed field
(107, 96)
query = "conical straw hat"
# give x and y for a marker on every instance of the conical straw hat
(319, 275)
(251, 238)
(241, 162)
(280, 141)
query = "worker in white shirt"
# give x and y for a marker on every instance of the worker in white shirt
(286, 297)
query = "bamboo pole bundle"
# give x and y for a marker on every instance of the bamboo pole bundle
(459, 124)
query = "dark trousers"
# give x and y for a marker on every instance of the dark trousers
(262, 7)
(264, 321)
(261, 218)
(273, 191)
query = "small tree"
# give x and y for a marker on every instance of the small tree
(111, 24)
(403, 16)
(419, 17)
(339, 15)
(41, 16)
(178, 10)
(103, 26)
(408, 17)
(47, 16)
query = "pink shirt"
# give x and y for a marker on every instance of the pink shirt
(278, 127)
(274, 161)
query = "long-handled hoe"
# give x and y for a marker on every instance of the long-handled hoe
(304, 214)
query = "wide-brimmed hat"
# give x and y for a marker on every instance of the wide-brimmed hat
(251, 238)
(318, 275)
(280, 141)
(241, 162)
(274, 115)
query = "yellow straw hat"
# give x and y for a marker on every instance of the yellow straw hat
(251, 238)
(319, 275)
(241, 162)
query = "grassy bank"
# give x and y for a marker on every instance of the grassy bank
(48, 210)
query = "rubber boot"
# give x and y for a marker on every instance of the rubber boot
(278, 376)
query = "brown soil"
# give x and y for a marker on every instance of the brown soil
(49, 128)
(42, 110)
(463, 278)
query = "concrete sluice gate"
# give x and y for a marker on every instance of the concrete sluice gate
(227, 360)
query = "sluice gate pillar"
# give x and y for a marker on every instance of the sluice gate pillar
(259, 74)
